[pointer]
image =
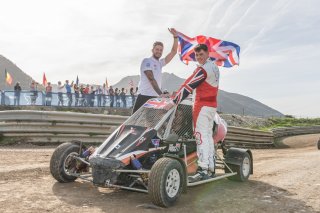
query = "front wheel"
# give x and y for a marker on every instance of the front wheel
(243, 169)
(62, 163)
(319, 144)
(165, 182)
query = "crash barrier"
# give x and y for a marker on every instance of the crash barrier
(244, 137)
(297, 130)
(40, 98)
(48, 126)
(58, 127)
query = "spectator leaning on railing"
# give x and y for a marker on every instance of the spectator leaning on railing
(111, 94)
(133, 97)
(123, 97)
(34, 92)
(48, 94)
(69, 92)
(104, 94)
(86, 91)
(60, 93)
(92, 93)
(76, 94)
(117, 94)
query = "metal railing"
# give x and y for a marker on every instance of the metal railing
(40, 98)
(297, 130)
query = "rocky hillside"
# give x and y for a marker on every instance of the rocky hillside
(16, 73)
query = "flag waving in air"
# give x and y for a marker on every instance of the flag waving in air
(77, 81)
(44, 80)
(8, 77)
(107, 85)
(223, 53)
(131, 84)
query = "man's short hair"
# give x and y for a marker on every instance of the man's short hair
(157, 43)
(200, 47)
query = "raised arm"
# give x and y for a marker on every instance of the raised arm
(174, 48)
(190, 84)
(153, 81)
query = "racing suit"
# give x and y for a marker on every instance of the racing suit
(205, 82)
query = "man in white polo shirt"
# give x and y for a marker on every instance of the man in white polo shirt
(151, 71)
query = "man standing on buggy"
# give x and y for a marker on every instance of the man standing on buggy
(204, 82)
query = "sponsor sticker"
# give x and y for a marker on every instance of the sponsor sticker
(141, 140)
(155, 142)
(197, 135)
(133, 131)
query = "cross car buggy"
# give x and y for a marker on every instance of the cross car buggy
(153, 151)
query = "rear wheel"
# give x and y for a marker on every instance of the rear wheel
(319, 144)
(243, 170)
(62, 163)
(165, 182)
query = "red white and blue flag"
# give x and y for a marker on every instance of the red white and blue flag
(156, 103)
(223, 53)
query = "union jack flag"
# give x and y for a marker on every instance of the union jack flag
(223, 53)
(156, 103)
(190, 84)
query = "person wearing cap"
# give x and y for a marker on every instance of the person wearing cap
(151, 72)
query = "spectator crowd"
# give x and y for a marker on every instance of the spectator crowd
(71, 94)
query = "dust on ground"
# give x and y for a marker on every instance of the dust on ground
(284, 180)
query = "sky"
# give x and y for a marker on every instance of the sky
(95, 39)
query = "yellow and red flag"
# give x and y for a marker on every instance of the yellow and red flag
(44, 80)
(8, 77)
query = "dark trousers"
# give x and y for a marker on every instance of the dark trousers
(141, 99)
(17, 98)
(111, 100)
(69, 95)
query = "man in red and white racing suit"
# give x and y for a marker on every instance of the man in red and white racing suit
(204, 82)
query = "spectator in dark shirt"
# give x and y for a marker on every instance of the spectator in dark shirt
(123, 97)
(111, 94)
(133, 97)
(92, 96)
(99, 96)
(117, 93)
(17, 91)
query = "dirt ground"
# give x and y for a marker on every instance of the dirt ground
(284, 180)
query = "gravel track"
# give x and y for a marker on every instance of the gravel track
(284, 180)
